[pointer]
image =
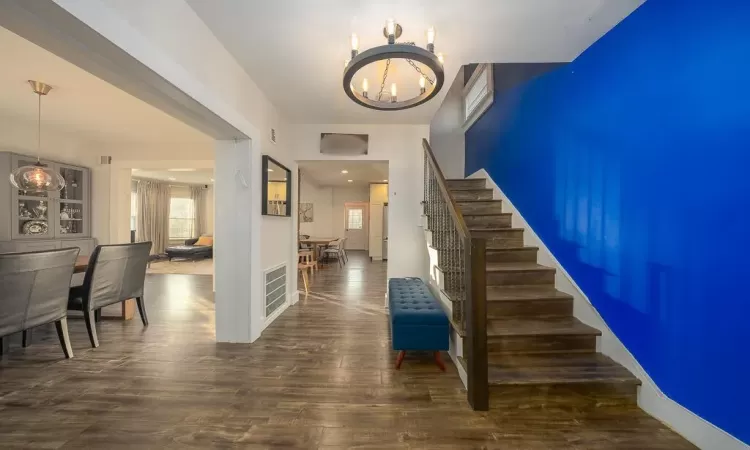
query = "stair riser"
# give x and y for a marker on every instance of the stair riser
(520, 278)
(503, 221)
(510, 240)
(520, 255)
(483, 207)
(477, 194)
(498, 345)
(581, 396)
(476, 183)
(530, 308)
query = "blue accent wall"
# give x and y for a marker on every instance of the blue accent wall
(632, 163)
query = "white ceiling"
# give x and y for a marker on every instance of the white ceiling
(328, 173)
(295, 49)
(196, 176)
(80, 104)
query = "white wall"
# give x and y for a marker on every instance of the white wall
(209, 208)
(446, 132)
(401, 146)
(322, 199)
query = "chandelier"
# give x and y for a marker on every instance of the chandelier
(409, 51)
(37, 177)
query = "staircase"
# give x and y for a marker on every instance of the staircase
(538, 354)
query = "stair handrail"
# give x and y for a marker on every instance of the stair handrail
(469, 253)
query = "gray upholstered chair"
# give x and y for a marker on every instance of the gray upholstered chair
(34, 291)
(115, 273)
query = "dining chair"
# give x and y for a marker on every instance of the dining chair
(343, 249)
(334, 248)
(305, 262)
(35, 292)
(115, 273)
(306, 257)
(304, 246)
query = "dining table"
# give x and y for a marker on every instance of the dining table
(316, 242)
(128, 306)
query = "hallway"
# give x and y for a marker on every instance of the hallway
(321, 376)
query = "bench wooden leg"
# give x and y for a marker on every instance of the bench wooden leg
(439, 361)
(400, 359)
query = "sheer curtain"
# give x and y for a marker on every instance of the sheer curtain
(153, 214)
(198, 195)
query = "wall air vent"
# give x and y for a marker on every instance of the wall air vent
(478, 94)
(275, 288)
(344, 144)
(273, 135)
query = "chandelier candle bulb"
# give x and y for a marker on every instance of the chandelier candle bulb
(390, 28)
(431, 40)
(365, 87)
(393, 93)
(355, 45)
(421, 85)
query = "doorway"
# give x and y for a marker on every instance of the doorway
(356, 216)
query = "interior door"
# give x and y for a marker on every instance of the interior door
(355, 215)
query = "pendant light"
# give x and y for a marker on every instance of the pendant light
(37, 177)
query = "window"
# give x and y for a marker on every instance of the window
(181, 218)
(354, 220)
(133, 209)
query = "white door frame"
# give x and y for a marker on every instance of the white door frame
(365, 220)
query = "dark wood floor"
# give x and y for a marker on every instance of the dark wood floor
(320, 377)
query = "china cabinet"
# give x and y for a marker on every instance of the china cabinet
(45, 220)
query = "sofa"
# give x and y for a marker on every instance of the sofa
(196, 248)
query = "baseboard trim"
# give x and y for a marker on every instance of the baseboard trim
(651, 399)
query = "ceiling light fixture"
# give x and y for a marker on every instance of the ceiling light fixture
(385, 181)
(172, 179)
(408, 51)
(344, 171)
(37, 177)
(350, 181)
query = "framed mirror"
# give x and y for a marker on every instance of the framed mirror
(277, 188)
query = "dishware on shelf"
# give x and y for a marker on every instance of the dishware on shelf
(34, 227)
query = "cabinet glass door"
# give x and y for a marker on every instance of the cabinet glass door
(32, 210)
(70, 211)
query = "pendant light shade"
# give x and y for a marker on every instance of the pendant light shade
(37, 177)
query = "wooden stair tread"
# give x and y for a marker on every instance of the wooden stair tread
(520, 266)
(528, 292)
(473, 229)
(556, 368)
(538, 326)
(479, 201)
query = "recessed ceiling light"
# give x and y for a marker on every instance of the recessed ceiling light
(344, 171)
(172, 179)
(350, 181)
(181, 170)
(385, 181)
(212, 180)
(270, 170)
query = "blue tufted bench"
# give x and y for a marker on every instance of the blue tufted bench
(417, 319)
